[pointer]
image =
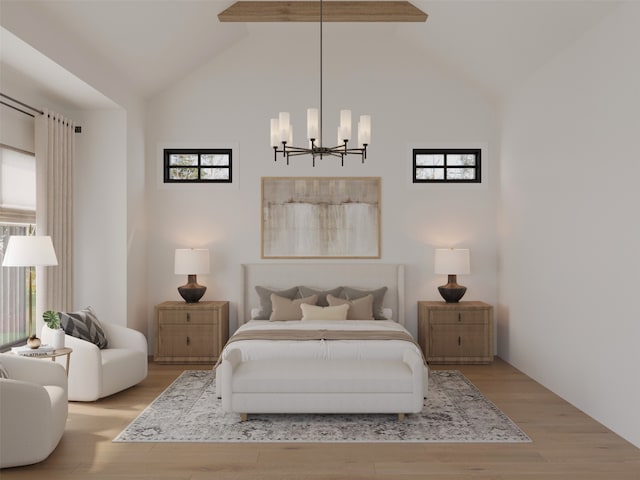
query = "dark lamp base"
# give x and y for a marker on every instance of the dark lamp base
(452, 292)
(192, 292)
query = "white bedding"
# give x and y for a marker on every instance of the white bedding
(322, 349)
(284, 353)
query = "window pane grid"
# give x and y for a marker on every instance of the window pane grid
(197, 166)
(446, 165)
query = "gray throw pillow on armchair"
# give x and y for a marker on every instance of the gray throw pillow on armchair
(84, 325)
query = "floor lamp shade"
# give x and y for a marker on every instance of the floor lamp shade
(29, 251)
(452, 262)
(191, 262)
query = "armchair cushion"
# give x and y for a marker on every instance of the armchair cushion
(33, 399)
(97, 373)
(84, 325)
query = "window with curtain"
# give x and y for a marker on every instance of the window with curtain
(17, 217)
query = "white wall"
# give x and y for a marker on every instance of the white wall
(229, 101)
(100, 229)
(570, 228)
(111, 139)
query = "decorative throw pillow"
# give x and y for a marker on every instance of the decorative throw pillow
(378, 298)
(359, 309)
(265, 299)
(3, 371)
(285, 309)
(315, 312)
(84, 325)
(322, 294)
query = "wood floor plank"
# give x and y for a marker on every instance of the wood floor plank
(566, 444)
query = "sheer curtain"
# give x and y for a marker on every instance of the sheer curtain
(13, 292)
(54, 206)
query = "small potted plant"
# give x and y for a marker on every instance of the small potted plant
(52, 321)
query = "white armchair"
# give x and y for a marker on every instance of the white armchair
(33, 409)
(96, 373)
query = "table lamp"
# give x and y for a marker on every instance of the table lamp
(29, 251)
(452, 262)
(190, 262)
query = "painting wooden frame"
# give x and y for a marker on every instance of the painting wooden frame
(320, 217)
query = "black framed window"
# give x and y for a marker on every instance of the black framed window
(448, 165)
(198, 165)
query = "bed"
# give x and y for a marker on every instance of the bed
(320, 365)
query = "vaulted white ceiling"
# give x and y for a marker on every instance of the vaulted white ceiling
(494, 44)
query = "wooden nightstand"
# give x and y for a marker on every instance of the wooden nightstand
(456, 332)
(190, 332)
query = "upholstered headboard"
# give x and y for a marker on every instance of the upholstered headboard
(323, 276)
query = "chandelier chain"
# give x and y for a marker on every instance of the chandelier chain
(281, 132)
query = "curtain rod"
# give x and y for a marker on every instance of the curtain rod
(16, 108)
(77, 128)
(21, 104)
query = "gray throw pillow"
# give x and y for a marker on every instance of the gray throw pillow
(378, 299)
(84, 325)
(286, 310)
(3, 371)
(359, 308)
(322, 294)
(265, 299)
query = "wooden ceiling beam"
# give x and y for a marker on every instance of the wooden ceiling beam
(332, 11)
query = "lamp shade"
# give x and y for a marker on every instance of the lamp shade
(191, 261)
(452, 261)
(29, 251)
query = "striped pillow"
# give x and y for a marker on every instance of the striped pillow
(3, 372)
(84, 325)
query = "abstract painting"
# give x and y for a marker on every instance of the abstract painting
(321, 217)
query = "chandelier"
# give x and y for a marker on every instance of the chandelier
(282, 131)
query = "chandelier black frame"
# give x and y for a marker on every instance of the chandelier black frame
(281, 131)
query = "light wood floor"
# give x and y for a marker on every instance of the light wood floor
(566, 445)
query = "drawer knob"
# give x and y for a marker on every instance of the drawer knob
(459, 316)
(188, 341)
(459, 340)
(188, 317)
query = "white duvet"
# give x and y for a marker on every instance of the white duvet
(322, 349)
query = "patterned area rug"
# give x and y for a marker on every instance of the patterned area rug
(455, 411)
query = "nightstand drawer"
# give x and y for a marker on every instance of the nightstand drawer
(455, 341)
(458, 316)
(192, 341)
(182, 317)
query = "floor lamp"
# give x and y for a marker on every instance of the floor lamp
(29, 251)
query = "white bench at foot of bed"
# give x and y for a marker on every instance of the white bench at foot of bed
(321, 386)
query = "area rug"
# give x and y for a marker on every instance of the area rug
(454, 411)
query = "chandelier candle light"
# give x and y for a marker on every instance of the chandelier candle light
(282, 131)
